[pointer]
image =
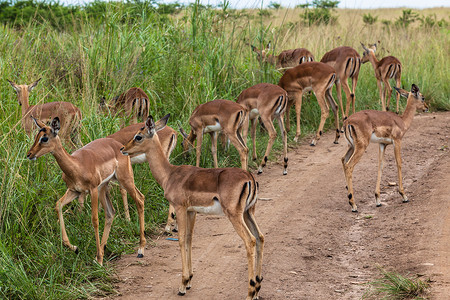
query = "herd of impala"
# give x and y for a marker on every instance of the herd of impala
(222, 191)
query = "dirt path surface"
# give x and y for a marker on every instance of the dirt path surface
(316, 248)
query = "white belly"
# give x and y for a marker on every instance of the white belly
(211, 128)
(138, 159)
(307, 89)
(380, 140)
(215, 209)
(107, 179)
(254, 113)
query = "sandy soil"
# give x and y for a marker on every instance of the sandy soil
(316, 248)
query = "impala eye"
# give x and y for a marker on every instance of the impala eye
(44, 139)
(138, 138)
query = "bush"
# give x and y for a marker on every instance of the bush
(408, 17)
(321, 12)
(368, 19)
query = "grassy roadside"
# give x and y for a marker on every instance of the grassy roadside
(199, 55)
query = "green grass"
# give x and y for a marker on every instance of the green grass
(394, 286)
(180, 61)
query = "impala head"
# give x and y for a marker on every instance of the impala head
(262, 54)
(415, 95)
(23, 90)
(187, 146)
(45, 138)
(138, 144)
(368, 51)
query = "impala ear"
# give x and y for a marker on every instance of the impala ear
(253, 48)
(33, 85)
(15, 86)
(364, 47)
(402, 92)
(162, 123)
(55, 125)
(269, 44)
(38, 123)
(150, 125)
(415, 90)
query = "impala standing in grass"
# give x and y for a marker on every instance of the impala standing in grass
(88, 171)
(286, 59)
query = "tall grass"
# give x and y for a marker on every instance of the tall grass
(200, 55)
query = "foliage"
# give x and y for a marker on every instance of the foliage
(274, 5)
(431, 21)
(368, 19)
(408, 16)
(396, 287)
(264, 13)
(320, 13)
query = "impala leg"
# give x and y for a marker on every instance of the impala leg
(284, 137)
(189, 234)
(199, 146)
(288, 109)
(68, 197)
(398, 85)
(323, 116)
(238, 142)
(380, 170)
(253, 133)
(334, 108)
(81, 199)
(350, 159)
(182, 230)
(388, 89)
(347, 96)
(213, 135)
(94, 218)
(268, 123)
(398, 160)
(250, 245)
(249, 219)
(354, 83)
(123, 193)
(339, 96)
(126, 180)
(109, 216)
(380, 89)
(298, 110)
(171, 220)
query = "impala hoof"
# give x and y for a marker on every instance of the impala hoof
(76, 250)
(284, 172)
(354, 210)
(312, 144)
(181, 294)
(336, 142)
(140, 255)
(379, 204)
(405, 201)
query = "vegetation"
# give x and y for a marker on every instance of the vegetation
(181, 56)
(320, 13)
(368, 19)
(396, 287)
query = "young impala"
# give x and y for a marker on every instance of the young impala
(168, 139)
(214, 117)
(286, 59)
(319, 78)
(68, 114)
(134, 104)
(380, 127)
(347, 62)
(88, 171)
(387, 68)
(268, 101)
(225, 191)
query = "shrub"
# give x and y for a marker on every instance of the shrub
(368, 19)
(408, 17)
(320, 13)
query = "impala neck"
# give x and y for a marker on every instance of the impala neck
(373, 60)
(408, 114)
(23, 99)
(272, 59)
(65, 161)
(159, 165)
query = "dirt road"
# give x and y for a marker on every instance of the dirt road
(316, 248)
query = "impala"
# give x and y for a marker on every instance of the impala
(68, 114)
(134, 104)
(225, 191)
(387, 68)
(268, 101)
(213, 117)
(319, 78)
(168, 139)
(286, 59)
(88, 171)
(347, 62)
(380, 127)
